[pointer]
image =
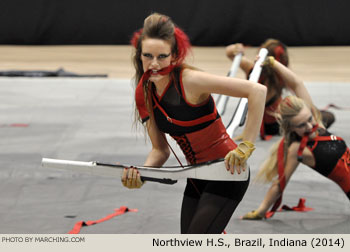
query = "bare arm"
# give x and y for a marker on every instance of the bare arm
(293, 82)
(275, 191)
(198, 85)
(159, 154)
(160, 149)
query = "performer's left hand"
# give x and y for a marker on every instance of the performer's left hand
(237, 158)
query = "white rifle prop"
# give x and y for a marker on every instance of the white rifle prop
(213, 170)
(222, 100)
(238, 117)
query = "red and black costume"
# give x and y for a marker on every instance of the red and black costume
(332, 160)
(269, 125)
(202, 137)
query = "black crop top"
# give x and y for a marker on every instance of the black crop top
(175, 105)
(326, 153)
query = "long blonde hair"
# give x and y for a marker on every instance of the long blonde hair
(288, 108)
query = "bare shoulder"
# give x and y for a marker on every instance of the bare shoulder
(197, 81)
(293, 149)
(187, 73)
(203, 80)
(193, 75)
(200, 83)
(192, 81)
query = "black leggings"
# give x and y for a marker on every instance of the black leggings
(207, 206)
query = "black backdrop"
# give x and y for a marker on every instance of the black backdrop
(207, 22)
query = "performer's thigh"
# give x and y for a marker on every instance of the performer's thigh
(212, 214)
(188, 209)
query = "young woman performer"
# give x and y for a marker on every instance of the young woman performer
(174, 98)
(306, 141)
(275, 82)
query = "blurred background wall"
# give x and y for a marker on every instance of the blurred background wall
(207, 22)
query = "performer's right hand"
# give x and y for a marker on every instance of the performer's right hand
(234, 49)
(131, 178)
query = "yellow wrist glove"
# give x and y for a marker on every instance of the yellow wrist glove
(238, 157)
(131, 178)
(253, 215)
(269, 61)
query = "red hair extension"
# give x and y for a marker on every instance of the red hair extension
(135, 38)
(183, 45)
(278, 52)
(288, 102)
(182, 42)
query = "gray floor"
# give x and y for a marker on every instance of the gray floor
(91, 119)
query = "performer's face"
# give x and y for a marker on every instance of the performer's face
(303, 122)
(156, 55)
